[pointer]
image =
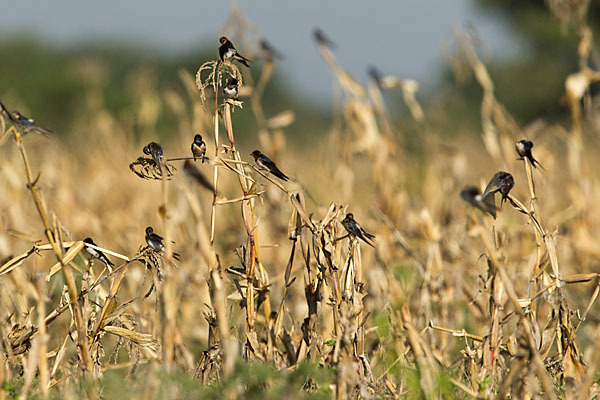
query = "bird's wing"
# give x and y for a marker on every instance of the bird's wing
(156, 236)
(40, 130)
(490, 187)
(272, 167)
(106, 260)
(488, 205)
(267, 162)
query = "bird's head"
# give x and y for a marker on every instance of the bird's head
(255, 154)
(197, 138)
(350, 216)
(223, 40)
(88, 240)
(149, 230)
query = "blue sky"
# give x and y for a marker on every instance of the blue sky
(402, 37)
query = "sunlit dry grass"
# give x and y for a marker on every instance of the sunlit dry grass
(450, 302)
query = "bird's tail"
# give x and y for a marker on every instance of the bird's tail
(243, 60)
(367, 242)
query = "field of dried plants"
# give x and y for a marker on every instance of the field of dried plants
(270, 297)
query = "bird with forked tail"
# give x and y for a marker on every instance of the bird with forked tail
(266, 163)
(97, 254)
(155, 242)
(523, 148)
(198, 148)
(228, 52)
(27, 124)
(355, 230)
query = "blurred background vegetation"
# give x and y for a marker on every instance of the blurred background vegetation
(50, 83)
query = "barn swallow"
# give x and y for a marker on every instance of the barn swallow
(355, 230)
(501, 182)
(155, 242)
(473, 196)
(228, 53)
(269, 51)
(156, 151)
(27, 124)
(266, 163)
(523, 148)
(190, 169)
(97, 253)
(322, 39)
(375, 74)
(231, 89)
(198, 147)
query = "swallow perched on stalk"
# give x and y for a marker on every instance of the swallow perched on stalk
(375, 74)
(269, 51)
(501, 182)
(155, 150)
(523, 148)
(27, 124)
(198, 147)
(472, 196)
(231, 89)
(227, 52)
(266, 163)
(97, 254)
(155, 242)
(355, 230)
(190, 169)
(322, 39)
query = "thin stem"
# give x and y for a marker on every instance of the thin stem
(82, 339)
(213, 214)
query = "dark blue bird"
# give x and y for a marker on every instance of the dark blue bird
(155, 242)
(27, 124)
(270, 52)
(501, 182)
(198, 148)
(523, 148)
(266, 163)
(155, 150)
(231, 89)
(97, 254)
(227, 52)
(322, 39)
(355, 230)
